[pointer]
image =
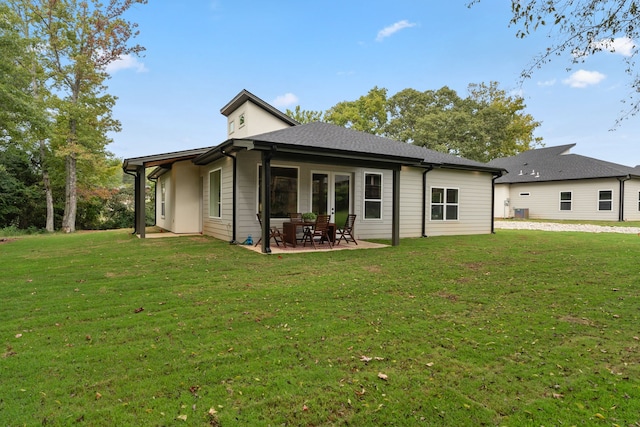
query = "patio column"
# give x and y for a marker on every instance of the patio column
(139, 206)
(395, 231)
(266, 200)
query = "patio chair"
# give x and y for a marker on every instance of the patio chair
(274, 233)
(319, 230)
(346, 232)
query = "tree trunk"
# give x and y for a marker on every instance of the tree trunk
(70, 202)
(46, 181)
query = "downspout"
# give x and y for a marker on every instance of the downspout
(621, 198)
(234, 196)
(424, 200)
(493, 200)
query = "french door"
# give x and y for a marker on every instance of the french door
(331, 194)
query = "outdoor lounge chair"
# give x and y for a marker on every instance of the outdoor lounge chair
(319, 230)
(274, 233)
(346, 232)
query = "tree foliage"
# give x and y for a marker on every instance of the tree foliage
(582, 29)
(305, 116)
(367, 113)
(487, 124)
(56, 107)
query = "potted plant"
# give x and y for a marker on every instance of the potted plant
(309, 217)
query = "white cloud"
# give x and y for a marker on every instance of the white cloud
(126, 62)
(583, 78)
(286, 100)
(547, 83)
(621, 46)
(392, 29)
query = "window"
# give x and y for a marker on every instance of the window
(605, 200)
(565, 200)
(232, 127)
(215, 193)
(444, 204)
(525, 194)
(163, 197)
(639, 201)
(372, 195)
(284, 191)
(241, 120)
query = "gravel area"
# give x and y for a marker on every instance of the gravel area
(552, 226)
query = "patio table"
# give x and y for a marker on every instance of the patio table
(290, 231)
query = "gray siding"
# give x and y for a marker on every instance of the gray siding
(474, 202)
(543, 200)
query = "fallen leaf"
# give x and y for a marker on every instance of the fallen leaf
(599, 415)
(138, 310)
(18, 335)
(212, 411)
(365, 359)
(383, 376)
(98, 396)
(305, 408)
(430, 364)
(181, 417)
(557, 395)
(361, 392)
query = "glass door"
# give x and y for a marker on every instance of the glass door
(331, 194)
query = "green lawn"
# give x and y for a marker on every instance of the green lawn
(518, 328)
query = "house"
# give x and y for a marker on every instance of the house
(272, 165)
(552, 183)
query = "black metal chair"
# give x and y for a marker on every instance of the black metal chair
(346, 232)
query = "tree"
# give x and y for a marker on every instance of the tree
(583, 29)
(17, 110)
(79, 40)
(431, 119)
(500, 126)
(367, 113)
(305, 116)
(486, 125)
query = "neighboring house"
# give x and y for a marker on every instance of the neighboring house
(272, 165)
(551, 183)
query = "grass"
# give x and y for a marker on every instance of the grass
(576, 221)
(517, 328)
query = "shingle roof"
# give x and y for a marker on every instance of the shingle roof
(556, 164)
(325, 136)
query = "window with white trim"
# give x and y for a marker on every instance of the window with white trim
(605, 200)
(444, 204)
(372, 195)
(639, 201)
(232, 127)
(284, 191)
(566, 200)
(215, 193)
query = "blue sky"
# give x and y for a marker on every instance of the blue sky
(201, 53)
